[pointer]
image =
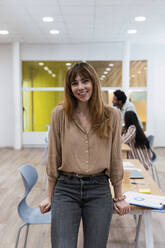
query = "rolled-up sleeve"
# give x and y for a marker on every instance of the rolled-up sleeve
(54, 147)
(129, 135)
(116, 165)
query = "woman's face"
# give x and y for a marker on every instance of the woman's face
(82, 89)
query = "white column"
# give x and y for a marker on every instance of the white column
(17, 95)
(126, 67)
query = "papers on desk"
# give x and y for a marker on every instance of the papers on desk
(135, 173)
(128, 165)
(145, 200)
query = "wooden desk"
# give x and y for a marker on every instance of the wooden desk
(125, 148)
(146, 212)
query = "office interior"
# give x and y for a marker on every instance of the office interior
(92, 31)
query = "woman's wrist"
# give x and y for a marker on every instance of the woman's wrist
(121, 198)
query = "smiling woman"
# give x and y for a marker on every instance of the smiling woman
(78, 175)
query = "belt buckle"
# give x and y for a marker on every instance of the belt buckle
(78, 175)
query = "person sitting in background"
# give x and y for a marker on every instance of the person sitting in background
(136, 139)
(120, 101)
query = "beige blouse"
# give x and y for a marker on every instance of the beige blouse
(72, 149)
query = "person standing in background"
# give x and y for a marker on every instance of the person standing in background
(120, 101)
(84, 152)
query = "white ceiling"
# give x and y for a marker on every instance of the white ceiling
(82, 21)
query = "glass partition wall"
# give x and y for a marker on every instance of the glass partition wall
(138, 88)
(43, 88)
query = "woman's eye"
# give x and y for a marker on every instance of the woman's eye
(86, 81)
(74, 83)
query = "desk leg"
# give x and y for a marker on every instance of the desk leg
(148, 229)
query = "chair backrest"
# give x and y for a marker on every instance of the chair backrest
(29, 177)
(47, 134)
(151, 140)
(154, 157)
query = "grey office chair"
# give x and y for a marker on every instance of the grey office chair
(154, 157)
(29, 215)
(151, 140)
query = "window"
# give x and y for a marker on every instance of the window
(138, 73)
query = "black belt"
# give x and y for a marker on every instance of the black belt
(81, 175)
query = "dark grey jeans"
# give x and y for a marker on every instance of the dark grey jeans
(74, 198)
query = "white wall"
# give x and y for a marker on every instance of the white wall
(6, 97)
(72, 52)
(155, 54)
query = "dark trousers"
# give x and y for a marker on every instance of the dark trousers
(74, 198)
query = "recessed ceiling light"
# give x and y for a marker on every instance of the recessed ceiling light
(111, 65)
(108, 69)
(131, 31)
(53, 75)
(46, 68)
(106, 72)
(133, 75)
(140, 18)
(103, 76)
(47, 19)
(54, 31)
(4, 32)
(139, 72)
(49, 71)
(41, 63)
(68, 64)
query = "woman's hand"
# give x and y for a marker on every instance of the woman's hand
(122, 207)
(45, 206)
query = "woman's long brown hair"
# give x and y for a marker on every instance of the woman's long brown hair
(100, 116)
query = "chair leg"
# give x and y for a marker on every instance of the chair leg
(135, 218)
(138, 230)
(18, 234)
(26, 235)
(157, 177)
(153, 174)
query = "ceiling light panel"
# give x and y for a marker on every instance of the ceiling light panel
(4, 32)
(48, 19)
(54, 31)
(140, 18)
(131, 31)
